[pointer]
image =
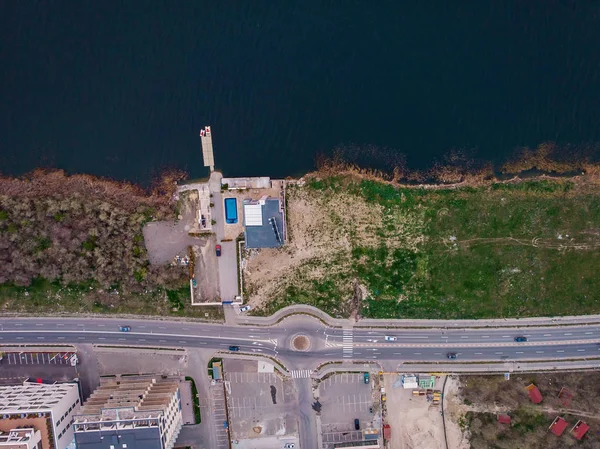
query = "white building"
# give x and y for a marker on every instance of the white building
(130, 413)
(43, 412)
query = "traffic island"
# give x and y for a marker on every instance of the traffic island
(301, 343)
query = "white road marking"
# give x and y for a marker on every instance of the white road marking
(485, 336)
(560, 350)
(568, 333)
(547, 335)
(588, 333)
(520, 352)
(478, 353)
(395, 353)
(498, 352)
(539, 352)
(581, 350)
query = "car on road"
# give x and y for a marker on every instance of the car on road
(218, 250)
(289, 446)
(234, 348)
(451, 355)
(520, 339)
(245, 308)
(388, 338)
(356, 424)
(124, 328)
(367, 378)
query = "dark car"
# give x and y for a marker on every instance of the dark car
(451, 355)
(520, 339)
(218, 250)
(356, 424)
(124, 328)
(234, 348)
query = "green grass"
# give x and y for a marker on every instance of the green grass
(486, 252)
(43, 296)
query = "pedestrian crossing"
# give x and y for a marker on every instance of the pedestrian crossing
(347, 343)
(301, 373)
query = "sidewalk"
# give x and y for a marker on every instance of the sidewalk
(411, 323)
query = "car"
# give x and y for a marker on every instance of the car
(367, 378)
(388, 338)
(234, 348)
(451, 355)
(370, 409)
(124, 328)
(289, 446)
(245, 308)
(218, 250)
(520, 339)
(356, 424)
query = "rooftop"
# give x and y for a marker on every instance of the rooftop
(558, 426)
(263, 223)
(32, 397)
(138, 438)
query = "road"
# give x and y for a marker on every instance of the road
(426, 346)
(326, 343)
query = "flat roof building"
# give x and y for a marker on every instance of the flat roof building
(38, 415)
(130, 414)
(263, 223)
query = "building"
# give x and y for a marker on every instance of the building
(264, 226)
(534, 393)
(410, 382)
(558, 426)
(38, 414)
(579, 430)
(25, 438)
(131, 413)
(504, 419)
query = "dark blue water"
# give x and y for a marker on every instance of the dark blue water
(121, 89)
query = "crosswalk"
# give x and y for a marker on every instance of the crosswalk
(301, 373)
(347, 343)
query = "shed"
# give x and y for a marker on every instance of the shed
(558, 426)
(579, 430)
(534, 394)
(504, 419)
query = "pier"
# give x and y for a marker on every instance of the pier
(207, 148)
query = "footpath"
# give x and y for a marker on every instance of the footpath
(232, 317)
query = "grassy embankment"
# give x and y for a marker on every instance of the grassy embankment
(500, 250)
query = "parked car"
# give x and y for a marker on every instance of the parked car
(218, 250)
(388, 338)
(124, 328)
(245, 308)
(367, 378)
(451, 355)
(289, 446)
(356, 424)
(521, 339)
(234, 348)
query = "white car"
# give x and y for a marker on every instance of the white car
(388, 338)
(245, 308)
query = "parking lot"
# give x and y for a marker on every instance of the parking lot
(260, 405)
(38, 358)
(344, 398)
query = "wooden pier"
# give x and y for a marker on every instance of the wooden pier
(207, 148)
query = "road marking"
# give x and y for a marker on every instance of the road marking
(588, 333)
(547, 335)
(478, 353)
(416, 353)
(301, 373)
(498, 353)
(19, 338)
(41, 338)
(395, 353)
(39, 324)
(506, 336)
(568, 333)
(162, 341)
(464, 336)
(103, 325)
(347, 343)
(182, 341)
(61, 338)
(101, 338)
(437, 353)
(560, 350)
(520, 352)
(581, 350)
(539, 352)
(485, 336)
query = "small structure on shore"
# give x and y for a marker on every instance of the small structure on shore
(264, 226)
(558, 426)
(534, 393)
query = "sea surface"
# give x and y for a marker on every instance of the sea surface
(121, 88)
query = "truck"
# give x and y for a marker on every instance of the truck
(387, 432)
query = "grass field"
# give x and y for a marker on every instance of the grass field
(47, 297)
(503, 250)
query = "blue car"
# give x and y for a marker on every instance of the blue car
(124, 328)
(234, 348)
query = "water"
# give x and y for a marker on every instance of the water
(122, 90)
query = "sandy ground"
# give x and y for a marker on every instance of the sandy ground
(321, 228)
(454, 409)
(416, 423)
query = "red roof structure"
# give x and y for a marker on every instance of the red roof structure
(504, 419)
(558, 426)
(579, 430)
(534, 394)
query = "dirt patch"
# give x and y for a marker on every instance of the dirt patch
(301, 343)
(415, 422)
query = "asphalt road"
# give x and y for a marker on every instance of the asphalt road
(326, 343)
